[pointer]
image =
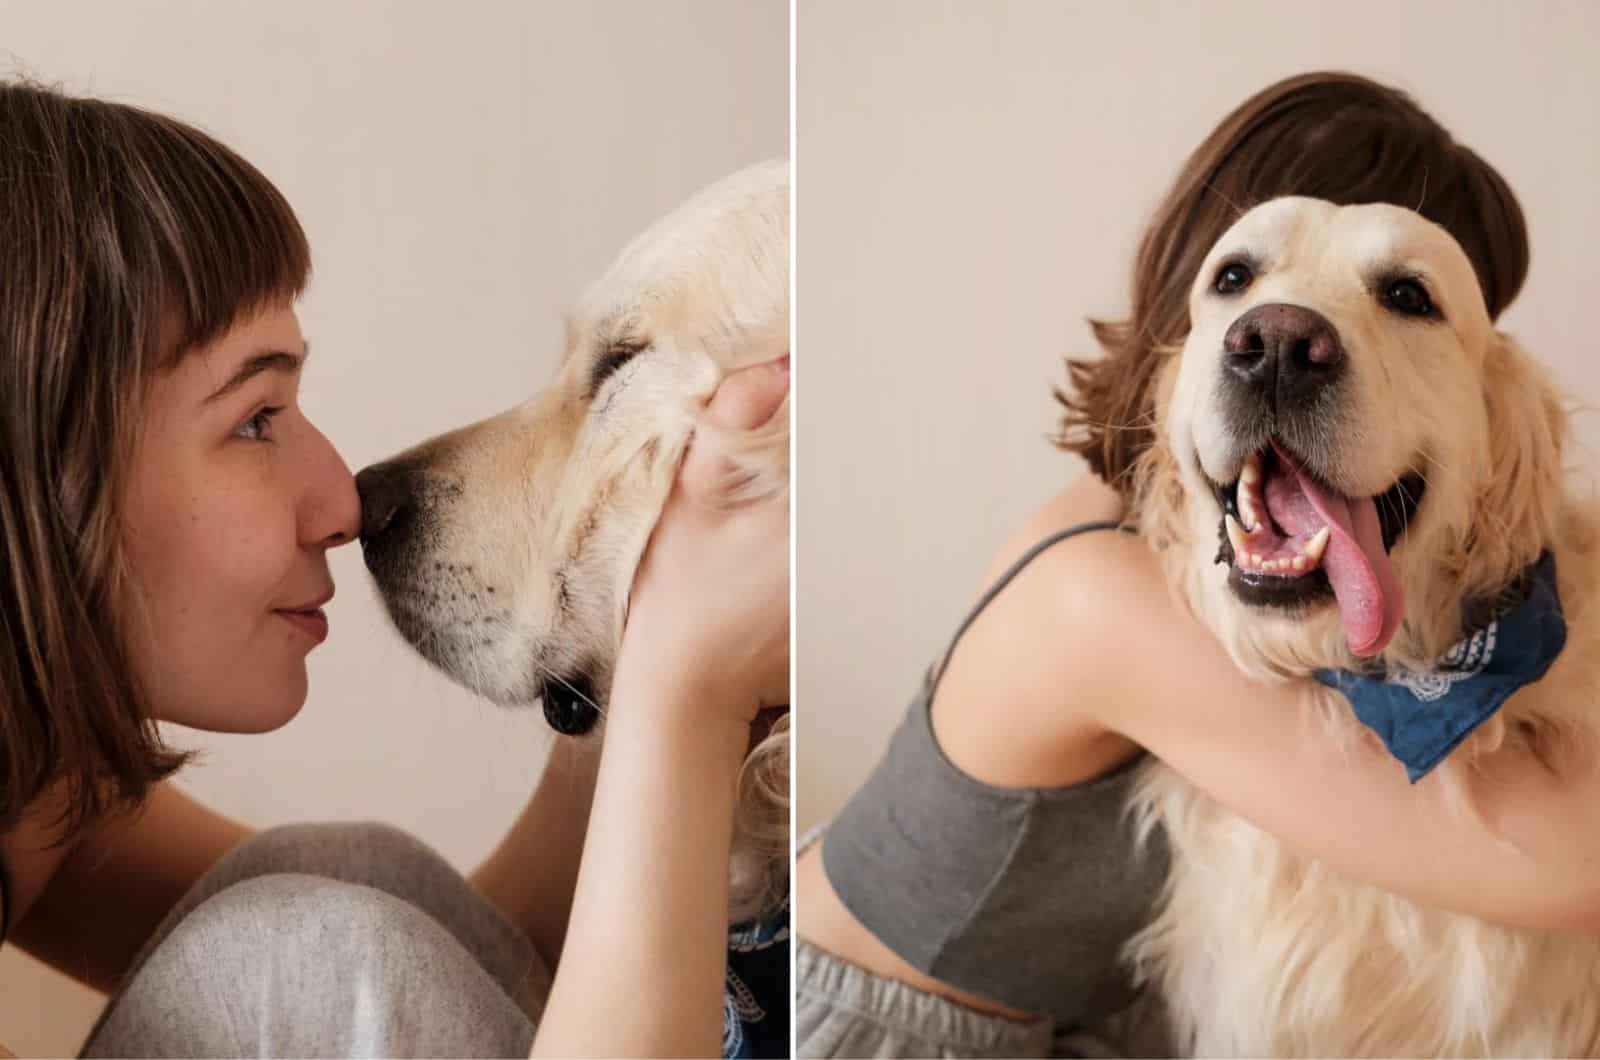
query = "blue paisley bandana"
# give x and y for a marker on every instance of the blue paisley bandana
(1422, 717)
(755, 1002)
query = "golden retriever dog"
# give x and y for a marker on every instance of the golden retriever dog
(504, 551)
(1351, 465)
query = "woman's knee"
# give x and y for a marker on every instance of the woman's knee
(387, 859)
(289, 963)
(365, 852)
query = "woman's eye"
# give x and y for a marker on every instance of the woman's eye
(1408, 297)
(258, 428)
(1231, 278)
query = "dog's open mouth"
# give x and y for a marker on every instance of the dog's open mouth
(1292, 540)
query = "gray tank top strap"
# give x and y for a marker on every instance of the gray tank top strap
(1024, 896)
(1006, 578)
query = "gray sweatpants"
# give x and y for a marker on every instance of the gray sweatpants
(329, 940)
(844, 1011)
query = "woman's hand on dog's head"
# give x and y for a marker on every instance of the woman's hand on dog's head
(709, 613)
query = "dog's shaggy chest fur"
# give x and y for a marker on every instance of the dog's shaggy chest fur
(1259, 950)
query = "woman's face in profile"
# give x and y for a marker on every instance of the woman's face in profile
(233, 500)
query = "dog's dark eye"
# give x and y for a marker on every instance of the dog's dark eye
(1232, 277)
(615, 356)
(1408, 297)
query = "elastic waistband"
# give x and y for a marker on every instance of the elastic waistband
(820, 976)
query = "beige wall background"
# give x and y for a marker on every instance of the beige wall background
(973, 178)
(462, 171)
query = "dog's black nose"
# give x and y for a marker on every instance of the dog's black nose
(1286, 352)
(388, 493)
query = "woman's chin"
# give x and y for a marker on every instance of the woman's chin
(254, 712)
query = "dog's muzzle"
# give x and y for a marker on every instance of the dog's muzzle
(389, 504)
(1289, 536)
(1281, 366)
(398, 502)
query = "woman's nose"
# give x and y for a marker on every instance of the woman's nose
(331, 515)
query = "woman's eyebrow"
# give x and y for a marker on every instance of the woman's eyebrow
(268, 360)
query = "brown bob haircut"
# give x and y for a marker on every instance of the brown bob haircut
(1333, 136)
(126, 239)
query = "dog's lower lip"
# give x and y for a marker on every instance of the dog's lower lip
(569, 703)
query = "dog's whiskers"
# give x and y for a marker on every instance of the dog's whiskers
(1421, 475)
(1432, 460)
(1402, 500)
(551, 675)
(568, 686)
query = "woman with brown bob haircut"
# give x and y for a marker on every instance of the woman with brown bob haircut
(973, 898)
(166, 510)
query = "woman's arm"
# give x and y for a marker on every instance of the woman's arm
(532, 874)
(706, 646)
(1530, 856)
(649, 929)
(1120, 664)
(86, 907)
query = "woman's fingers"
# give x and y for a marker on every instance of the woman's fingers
(747, 399)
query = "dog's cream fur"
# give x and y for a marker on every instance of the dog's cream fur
(1257, 950)
(537, 518)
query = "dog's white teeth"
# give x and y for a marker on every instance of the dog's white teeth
(1235, 535)
(1255, 559)
(1247, 511)
(1317, 545)
(1301, 563)
(1248, 492)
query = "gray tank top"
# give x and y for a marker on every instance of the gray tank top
(1024, 896)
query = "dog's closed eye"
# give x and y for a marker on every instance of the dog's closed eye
(615, 356)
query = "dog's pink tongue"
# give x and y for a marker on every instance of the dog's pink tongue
(1371, 601)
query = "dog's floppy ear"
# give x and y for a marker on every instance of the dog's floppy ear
(1520, 496)
(1153, 483)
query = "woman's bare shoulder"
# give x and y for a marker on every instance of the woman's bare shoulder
(1020, 701)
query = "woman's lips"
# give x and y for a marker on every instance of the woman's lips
(313, 623)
